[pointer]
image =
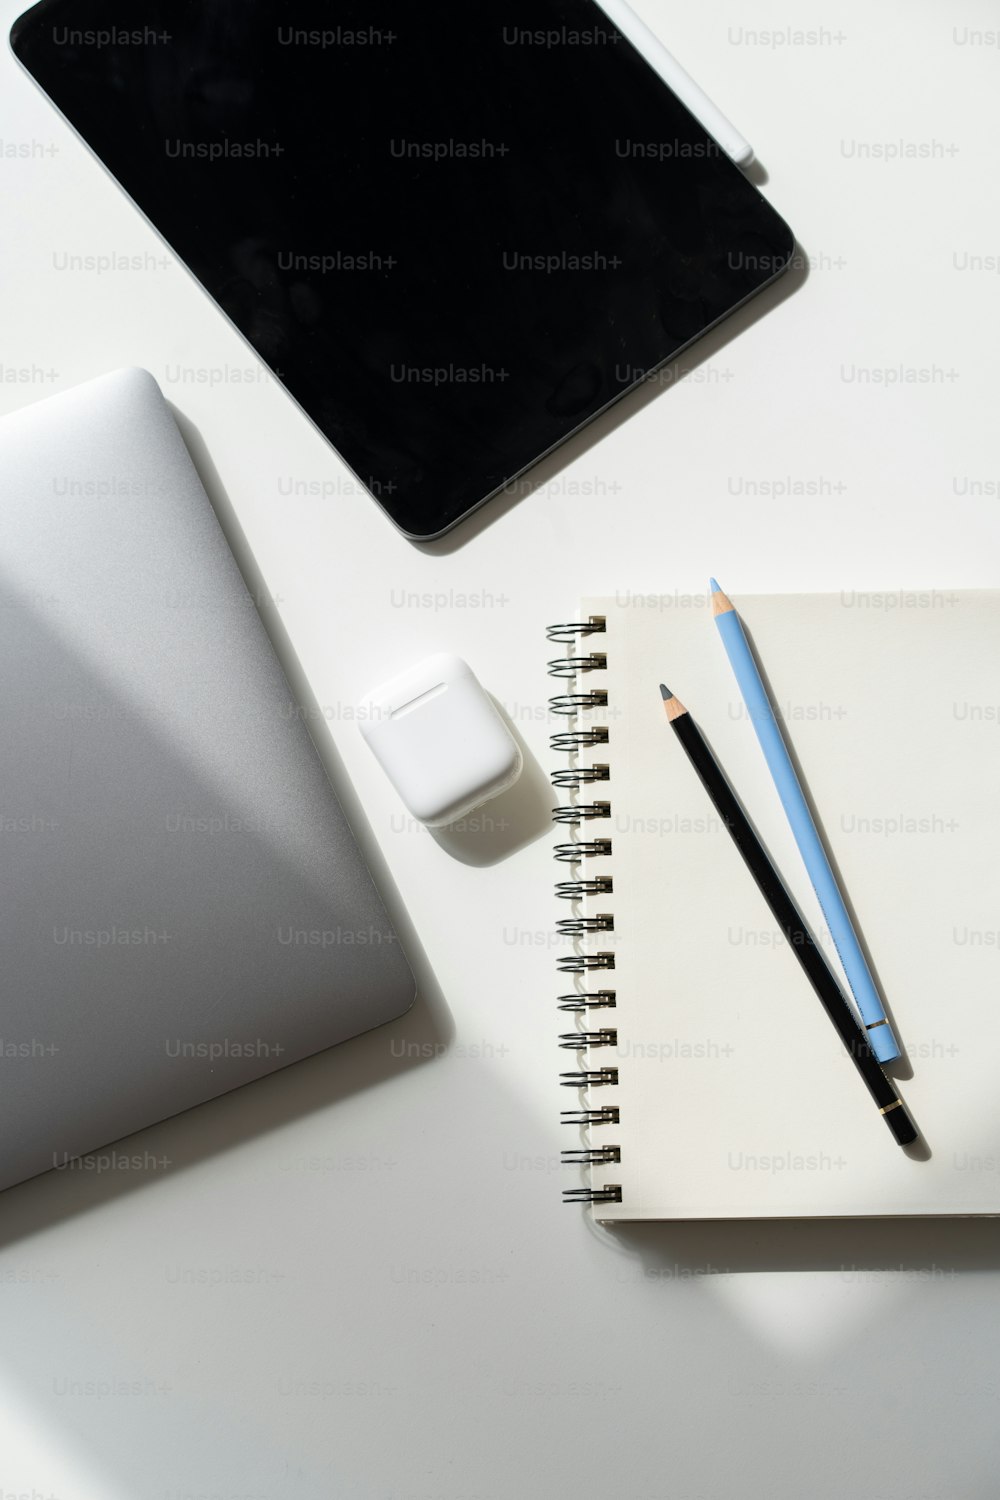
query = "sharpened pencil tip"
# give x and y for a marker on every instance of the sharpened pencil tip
(713, 584)
(672, 705)
(721, 603)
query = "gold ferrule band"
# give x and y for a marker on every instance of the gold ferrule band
(896, 1103)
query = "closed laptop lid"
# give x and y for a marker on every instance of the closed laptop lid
(183, 906)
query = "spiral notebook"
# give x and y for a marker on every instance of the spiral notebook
(702, 1078)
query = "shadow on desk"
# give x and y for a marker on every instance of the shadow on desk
(233, 1119)
(500, 827)
(915, 1249)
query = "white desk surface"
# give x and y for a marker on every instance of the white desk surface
(357, 1279)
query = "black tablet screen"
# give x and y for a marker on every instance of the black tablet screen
(455, 231)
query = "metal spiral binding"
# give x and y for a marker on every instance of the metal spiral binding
(580, 812)
(572, 854)
(569, 666)
(569, 704)
(576, 739)
(590, 1078)
(580, 775)
(569, 634)
(573, 890)
(612, 1193)
(581, 963)
(572, 925)
(607, 1114)
(577, 1041)
(580, 1001)
(577, 635)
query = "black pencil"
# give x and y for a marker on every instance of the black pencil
(789, 919)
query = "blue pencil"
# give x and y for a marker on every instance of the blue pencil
(793, 800)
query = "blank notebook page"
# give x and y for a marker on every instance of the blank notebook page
(736, 1096)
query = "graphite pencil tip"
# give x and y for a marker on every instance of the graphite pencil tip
(673, 707)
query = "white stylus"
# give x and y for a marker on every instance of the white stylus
(638, 33)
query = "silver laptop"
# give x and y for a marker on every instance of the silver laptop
(182, 904)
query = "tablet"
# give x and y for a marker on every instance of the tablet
(456, 233)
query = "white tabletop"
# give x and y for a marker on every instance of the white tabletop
(356, 1278)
